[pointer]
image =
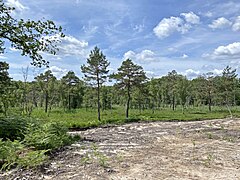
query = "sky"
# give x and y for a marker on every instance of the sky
(190, 36)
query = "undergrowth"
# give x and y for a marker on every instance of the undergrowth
(26, 142)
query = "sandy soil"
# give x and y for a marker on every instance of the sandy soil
(207, 149)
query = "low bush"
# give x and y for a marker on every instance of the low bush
(24, 142)
(15, 154)
(13, 127)
(9, 151)
(50, 136)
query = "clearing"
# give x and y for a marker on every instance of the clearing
(208, 149)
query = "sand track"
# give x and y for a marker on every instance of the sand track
(207, 149)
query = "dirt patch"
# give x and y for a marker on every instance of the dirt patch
(157, 150)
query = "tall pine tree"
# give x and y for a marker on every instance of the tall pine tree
(95, 72)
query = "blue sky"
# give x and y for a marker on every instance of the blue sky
(189, 36)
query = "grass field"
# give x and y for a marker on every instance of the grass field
(82, 118)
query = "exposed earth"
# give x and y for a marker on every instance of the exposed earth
(208, 149)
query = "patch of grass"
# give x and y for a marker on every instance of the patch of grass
(209, 159)
(229, 139)
(82, 118)
(95, 156)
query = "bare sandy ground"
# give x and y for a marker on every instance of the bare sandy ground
(207, 149)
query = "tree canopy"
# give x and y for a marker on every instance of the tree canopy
(129, 75)
(28, 36)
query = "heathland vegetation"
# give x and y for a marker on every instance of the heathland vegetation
(35, 115)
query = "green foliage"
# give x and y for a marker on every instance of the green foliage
(9, 153)
(14, 153)
(30, 37)
(46, 82)
(32, 158)
(5, 82)
(13, 127)
(95, 156)
(95, 72)
(24, 141)
(82, 118)
(72, 91)
(129, 75)
(51, 135)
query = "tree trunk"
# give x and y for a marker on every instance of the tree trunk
(210, 104)
(69, 103)
(173, 107)
(98, 94)
(46, 102)
(128, 102)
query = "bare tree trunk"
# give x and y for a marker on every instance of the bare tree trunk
(98, 99)
(128, 102)
(173, 107)
(46, 102)
(25, 76)
(69, 104)
(210, 104)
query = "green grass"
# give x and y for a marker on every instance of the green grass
(82, 118)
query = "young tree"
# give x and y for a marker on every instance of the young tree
(129, 75)
(46, 83)
(209, 88)
(228, 85)
(183, 91)
(95, 72)
(5, 82)
(172, 78)
(73, 87)
(30, 37)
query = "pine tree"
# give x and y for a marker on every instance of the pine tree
(95, 72)
(46, 83)
(129, 75)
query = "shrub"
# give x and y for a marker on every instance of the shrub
(50, 136)
(9, 153)
(13, 127)
(14, 153)
(24, 141)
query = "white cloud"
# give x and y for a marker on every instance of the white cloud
(2, 57)
(150, 73)
(14, 49)
(90, 29)
(167, 26)
(190, 73)
(191, 18)
(236, 25)
(217, 72)
(70, 46)
(142, 57)
(57, 71)
(184, 56)
(16, 4)
(208, 14)
(220, 23)
(129, 55)
(228, 52)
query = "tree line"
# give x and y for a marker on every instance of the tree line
(130, 88)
